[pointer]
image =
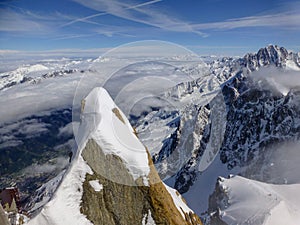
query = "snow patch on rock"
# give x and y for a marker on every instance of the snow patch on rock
(96, 185)
(148, 220)
(178, 201)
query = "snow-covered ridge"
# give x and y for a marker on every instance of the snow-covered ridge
(18, 75)
(64, 206)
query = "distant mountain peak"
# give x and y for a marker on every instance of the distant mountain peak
(269, 55)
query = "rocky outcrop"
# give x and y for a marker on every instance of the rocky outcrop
(3, 217)
(117, 203)
(129, 200)
(216, 199)
(258, 118)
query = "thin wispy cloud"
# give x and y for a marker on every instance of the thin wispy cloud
(287, 20)
(25, 21)
(11, 21)
(137, 13)
(72, 36)
(113, 32)
(124, 31)
(86, 19)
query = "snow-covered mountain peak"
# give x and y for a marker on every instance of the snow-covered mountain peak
(108, 182)
(106, 124)
(271, 55)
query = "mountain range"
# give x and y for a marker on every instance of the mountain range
(229, 146)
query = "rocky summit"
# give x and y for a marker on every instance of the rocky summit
(111, 181)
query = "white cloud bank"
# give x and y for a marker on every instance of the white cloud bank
(279, 79)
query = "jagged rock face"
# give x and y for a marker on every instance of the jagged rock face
(271, 55)
(123, 204)
(256, 119)
(187, 175)
(209, 128)
(266, 56)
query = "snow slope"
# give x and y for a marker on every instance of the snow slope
(253, 202)
(64, 207)
(205, 184)
(46, 191)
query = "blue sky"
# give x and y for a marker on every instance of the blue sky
(205, 26)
